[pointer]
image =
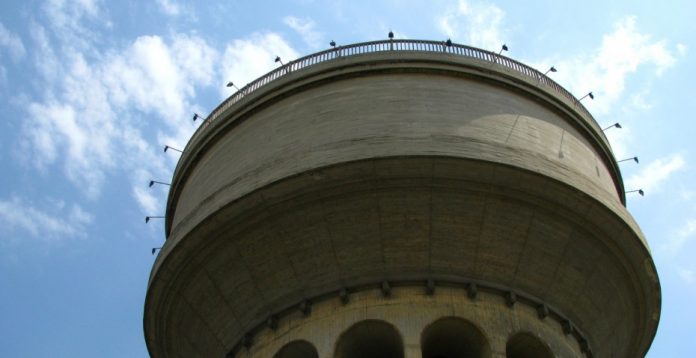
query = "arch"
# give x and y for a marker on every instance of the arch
(297, 349)
(370, 339)
(453, 337)
(526, 345)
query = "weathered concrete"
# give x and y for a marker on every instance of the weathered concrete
(369, 169)
(411, 311)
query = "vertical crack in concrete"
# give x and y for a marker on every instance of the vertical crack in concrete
(523, 251)
(512, 129)
(430, 217)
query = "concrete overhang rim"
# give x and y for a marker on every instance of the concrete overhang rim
(168, 249)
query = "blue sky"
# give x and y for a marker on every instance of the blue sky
(91, 91)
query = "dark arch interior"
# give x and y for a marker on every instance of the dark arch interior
(453, 338)
(370, 339)
(297, 349)
(525, 345)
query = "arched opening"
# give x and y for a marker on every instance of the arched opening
(526, 345)
(452, 337)
(370, 339)
(297, 349)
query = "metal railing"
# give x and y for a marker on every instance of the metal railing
(385, 46)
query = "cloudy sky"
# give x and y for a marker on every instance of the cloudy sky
(91, 91)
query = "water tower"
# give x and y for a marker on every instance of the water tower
(400, 199)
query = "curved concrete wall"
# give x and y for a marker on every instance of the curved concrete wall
(372, 168)
(389, 114)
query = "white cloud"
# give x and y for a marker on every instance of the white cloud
(66, 18)
(55, 126)
(688, 276)
(12, 43)
(246, 59)
(640, 101)
(619, 140)
(655, 173)
(169, 7)
(149, 204)
(689, 229)
(160, 77)
(681, 49)
(93, 117)
(604, 71)
(93, 107)
(49, 222)
(306, 28)
(478, 24)
(675, 243)
(69, 13)
(623, 52)
(45, 58)
(687, 194)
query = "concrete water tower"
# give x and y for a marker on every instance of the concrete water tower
(400, 199)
